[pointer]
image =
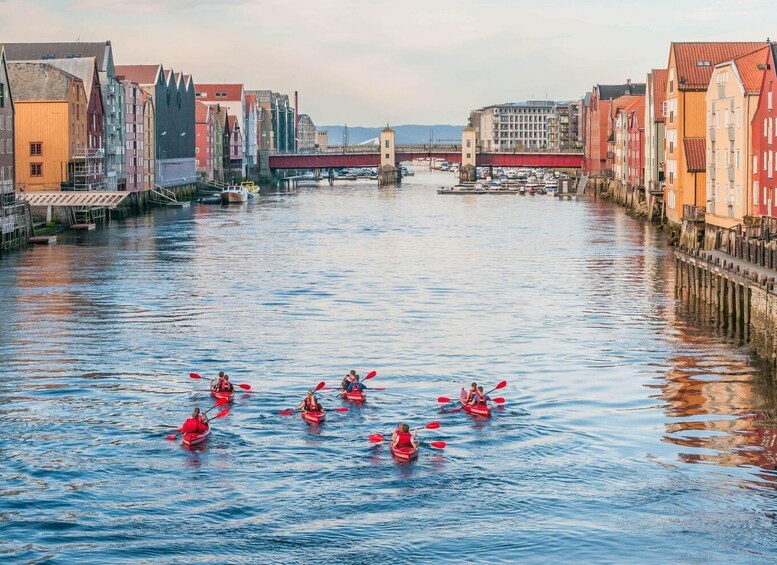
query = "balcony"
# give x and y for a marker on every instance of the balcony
(693, 213)
(731, 133)
(712, 134)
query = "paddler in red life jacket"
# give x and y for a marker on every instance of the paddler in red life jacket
(310, 403)
(349, 378)
(215, 385)
(225, 385)
(480, 397)
(355, 385)
(473, 390)
(197, 424)
(403, 438)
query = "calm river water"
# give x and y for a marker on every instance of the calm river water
(630, 433)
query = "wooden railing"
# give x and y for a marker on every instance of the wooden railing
(752, 243)
(693, 213)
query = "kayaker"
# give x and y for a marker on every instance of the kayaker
(197, 424)
(356, 385)
(225, 385)
(473, 390)
(310, 403)
(215, 385)
(403, 438)
(349, 378)
(480, 397)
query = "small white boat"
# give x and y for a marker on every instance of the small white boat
(234, 194)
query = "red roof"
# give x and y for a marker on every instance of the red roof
(141, 74)
(659, 76)
(201, 112)
(695, 154)
(638, 107)
(234, 92)
(232, 121)
(621, 103)
(695, 61)
(749, 71)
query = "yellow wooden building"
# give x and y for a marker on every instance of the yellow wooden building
(51, 125)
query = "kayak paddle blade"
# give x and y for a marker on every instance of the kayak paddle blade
(245, 386)
(222, 414)
(438, 444)
(498, 400)
(194, 376)
(376, 438)
(432, 425)
(370, 375)
(171, 437)
(222, 402)
(341, 409)
(500, 385)
(443, 399)
(320, 385)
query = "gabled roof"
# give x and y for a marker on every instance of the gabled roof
(100, 50)
(659, 76)
(84, 68)
(696, 61)
(635, 106)
(751, 68)
(234, 92)
(201, 112)
(613, 91)
(695, 154)
(233, 123)
(39, 81)
(142, 74)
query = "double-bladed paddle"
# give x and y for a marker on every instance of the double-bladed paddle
(196, 376)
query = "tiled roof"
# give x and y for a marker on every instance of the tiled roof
(232, 121)
(201, 112)
(622, 103)
(233, 92)
(749, 71)
(638, 102)
(659, 76)
(695, 154)
(141, 74)
(29, 51)
(81, 67)
(39, 81)
(695, 61)
(613, 91)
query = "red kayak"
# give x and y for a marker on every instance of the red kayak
(195, 438)
(219, 395)
(475, 409)
(354, 396)
(314, 417)
(404, 453)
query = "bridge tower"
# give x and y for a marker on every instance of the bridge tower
(468, 171)
(387, 174)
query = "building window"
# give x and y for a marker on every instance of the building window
(36, 148)
(2, 95)
(36, 169)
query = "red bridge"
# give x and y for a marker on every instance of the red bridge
(370, 157)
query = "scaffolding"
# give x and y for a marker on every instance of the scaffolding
(86, 172)
(15, 225)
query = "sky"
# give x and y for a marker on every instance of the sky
(377, 62)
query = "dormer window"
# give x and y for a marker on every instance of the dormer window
(703, 64)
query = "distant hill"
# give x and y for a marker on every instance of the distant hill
(406, 135)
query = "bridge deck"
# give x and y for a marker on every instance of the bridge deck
(74, 199)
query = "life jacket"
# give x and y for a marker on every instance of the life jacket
(226, 387)
(194, 426)
(480, 399)
(310, 406)
(404, 439)
(470, 396)
(355, 387)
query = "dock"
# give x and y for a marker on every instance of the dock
(42, 240)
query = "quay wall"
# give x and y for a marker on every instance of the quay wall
(739, 297)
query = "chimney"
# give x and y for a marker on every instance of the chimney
(296, 108)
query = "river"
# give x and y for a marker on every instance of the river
(630, 432)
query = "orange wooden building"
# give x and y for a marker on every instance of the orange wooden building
(51, 124)
(685, 110)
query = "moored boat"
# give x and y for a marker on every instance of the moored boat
(314, 417)
(191, 439)
(404, 453)
(236, 194)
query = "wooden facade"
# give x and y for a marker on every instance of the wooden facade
(51, 124)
